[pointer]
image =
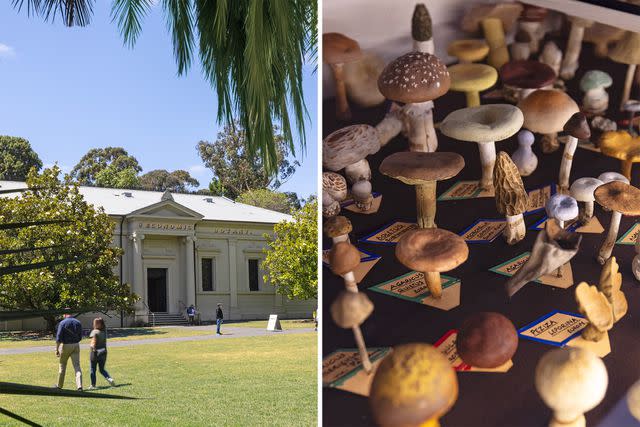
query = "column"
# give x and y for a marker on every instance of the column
(233, 273)
(190, 267)
(138, 273)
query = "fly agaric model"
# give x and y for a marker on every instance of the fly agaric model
(431, 251)
(494, 34)
(413, 386)
(627, 51)
(337, 50)
(511, 198)
(361, 80)
(351, 308)
(524, 76)
(423, 170)
(531, 22)
(472, 79)
(574, 45)
(622, 146)
(577, 128)
(524, 157)
(594, 305)
(621, 199)
(611, 286)
(571, 381)
(562, 208)
(594, 84)
(338, 228)
(484, 125)
(416, 79)
(582, 190)
(468, 50)
(546, 112)
(421, 29)
(486, 340)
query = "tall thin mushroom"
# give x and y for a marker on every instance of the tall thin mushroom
(577, 128)
(574, 45)
(627, 51)
(338, 49)
(511, 198)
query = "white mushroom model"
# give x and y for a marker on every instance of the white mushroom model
(552, 56)
(361, 80)
(562, 208)
(582, 190)
(574, 45)
(577, 128)
(571, 381)
(347, 149)
(525, 159)
(606, 177)
(594, 84)
(484, 125)
(362, 197)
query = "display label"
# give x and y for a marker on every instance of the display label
(375, 205)
(563, 280)
(412, 287)
(342, 369)
(483, 230)
(465, 190)
(592, 226)
(390, 234)
(539, 197)
(631, 236)
(556, 328)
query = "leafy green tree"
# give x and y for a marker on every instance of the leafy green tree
(269, 199)
(84, 236)
(178, 181)
(237, 170)
(251, 51)
(17, 158)
(112, 178)
(291, 262)
(97, 159)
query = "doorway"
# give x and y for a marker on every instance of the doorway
(157, 289)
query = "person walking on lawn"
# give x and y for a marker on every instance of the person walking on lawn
(68, 338)
(219, 317)
(98, 354)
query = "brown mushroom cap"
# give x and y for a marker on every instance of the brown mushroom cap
(620, 197)
(431, 250)
(413, 384)
(414, 77)
(627, 49)
(335, 185)
(599, 32)
(413, 168)
(486, 340)
(337, 226)
(527, 74)
(338, 49)
(547, 111)
(351, 309)
(578, 127)
(343, 258)
(511, 197)
(532, 13)
(349, 145)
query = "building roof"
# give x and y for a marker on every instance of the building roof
(123, 202)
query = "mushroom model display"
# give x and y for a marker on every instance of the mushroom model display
(577, 128)
(421, 29)
(413, 386)
(338, 49)
(593, 305)
(334, 191)
(524, 157)
(472, 79)
(622, 146)
(486, 340)
(468, 50)
(571, 381)
(532, 23)
(494, 34)
(423, 170)
(551, 55)
(594, 84)
(562, 208)
(627, 51)
(362, 196)
(330, 206)
(521, 77)
(507, 13)
(582, 190)
(574, 46)
(361, 80)
(511, 198)
(338, 228)
(521, 46)
(484, 125)
(416, 79)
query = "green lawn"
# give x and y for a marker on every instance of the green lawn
(240, 382)
(286, 324)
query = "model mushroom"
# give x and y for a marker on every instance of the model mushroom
(507, 13)
(611, 286)
(552, 56)
(338, 49)
(338, 228)
(361, 80)
(484, 125)
(627, 51)
(621, 199)
(571, 381)
(522, 77)
(421, 29)
(347, 149)
(594, 84)
(486, 340)
(431, 251)
(606, 177)
(391, 125)
(602, 35)
(423, 170)
(468, 50)
(511, 198)
(494, 34)
(576, 128)
(574, 45)
(362, 196)
(524, 158)
(472, 79)
(330, 206)
(521, 46)
(531, 23)
(334, 191)
(416, 79)
(594, 305)
(413, 386)
(622, 146)
(582, 190)
(631, 107)
(562, 208)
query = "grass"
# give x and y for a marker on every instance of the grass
(256, 381)
(286, 324)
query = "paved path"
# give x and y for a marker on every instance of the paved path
(228, 333)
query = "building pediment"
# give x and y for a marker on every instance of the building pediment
(166, 210)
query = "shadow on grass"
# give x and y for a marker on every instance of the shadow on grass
(21, 336)
(106, 387)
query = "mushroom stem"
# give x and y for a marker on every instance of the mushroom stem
(532, 28)
(626, 168)
(494, 34)
(389, 127)
(426, 204)
(421, 133)
(340, 238)
(362, 348)
(358, 171)
(595, 100)
(628, 81)
(487, 160)
(635, 264)
(515, 229)
(601, 48)
(342, 105)
(586, 213)
(607, 246)
(424, 46)
(433, 283)
(574, 45)
(550, 142)
(520, 51)
(565, 165)
(473, 98)
(350, 282)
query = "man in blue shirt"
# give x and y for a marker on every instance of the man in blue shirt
(191, 314)
(68, 339)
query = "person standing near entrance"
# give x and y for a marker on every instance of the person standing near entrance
(191, 314)
(98, 355)
(219, 317)
(68, 339)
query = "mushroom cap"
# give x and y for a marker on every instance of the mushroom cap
(627, 49)
(527, 74)
(421, 27)
(484, 123)
(431, 250)
(612, 176)
(631, 106)
(582, 189)
(486, 340)
(571, 380)
(338, 49)
(470, 50)
(414, 77)
(547, 110)
(361, 189)
(595, 306)
(595, 79)
(620, 197)
(598, 33)
(577, 126)
(351, 309)
(508, 13)
(335, 185)
(562, 207)
(337, 226)
(526, 138)
(413, 384)
(511, 197)
(343, 258)
(472, 77)
(414, 168)
(349, 145)
(621, 145)
(361, 80)
(532, 13)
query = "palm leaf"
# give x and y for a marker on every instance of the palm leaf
(72, 12)
(34, 390)
(128, 15)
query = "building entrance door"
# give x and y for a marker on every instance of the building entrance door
(157, 289)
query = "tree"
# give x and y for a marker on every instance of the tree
(178, 181)
(83, 237)
(251, 52)
(236, 169)
(112, 178)
(269, 199)
(98, 159)
(291, 262)
(17, 158)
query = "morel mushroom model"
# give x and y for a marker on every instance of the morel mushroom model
(511, 198)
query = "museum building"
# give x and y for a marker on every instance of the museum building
(183, 249)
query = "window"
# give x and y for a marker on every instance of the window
(254, 281)
(208, 274)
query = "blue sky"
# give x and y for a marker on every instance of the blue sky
(71, 89)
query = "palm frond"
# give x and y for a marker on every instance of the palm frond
(180, 23)
(33, 390)
(72, 12)
(128, 16)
